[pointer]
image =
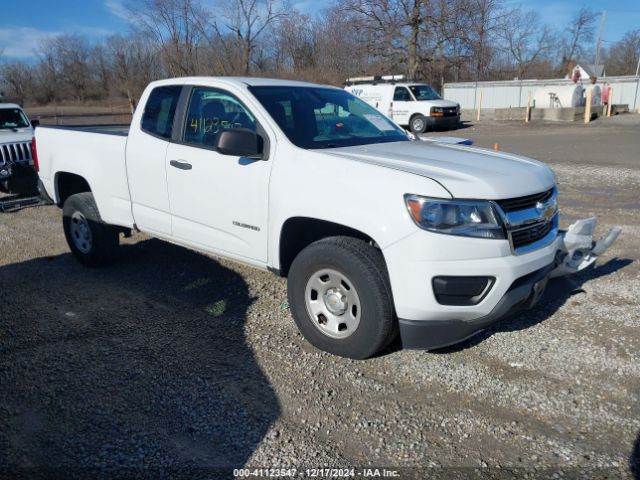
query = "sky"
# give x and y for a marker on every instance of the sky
(24, 23)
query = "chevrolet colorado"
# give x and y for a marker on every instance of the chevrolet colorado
(376, 231)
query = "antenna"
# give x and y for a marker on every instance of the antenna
(603, 19)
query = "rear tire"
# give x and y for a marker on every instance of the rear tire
(418, 124)
(92, 241)
(340, 297)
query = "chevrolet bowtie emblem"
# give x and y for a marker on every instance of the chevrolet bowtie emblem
(546, 211)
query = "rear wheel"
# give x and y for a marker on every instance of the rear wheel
(92, 241)
(340, 297)
(418, 124)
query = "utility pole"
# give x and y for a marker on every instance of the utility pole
(603, 18)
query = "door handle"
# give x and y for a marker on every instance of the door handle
(181, 164)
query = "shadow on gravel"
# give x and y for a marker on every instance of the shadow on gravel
(634, 459)
(137, 369)
(558, 291)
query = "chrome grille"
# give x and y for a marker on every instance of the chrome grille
(522, 203)
(531, 221)
(530, 234)
(15, 153)
(449, 111)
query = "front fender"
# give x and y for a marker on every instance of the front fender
(368, 198)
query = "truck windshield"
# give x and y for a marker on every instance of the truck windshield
(317, 117)
(12, 118)
(424, 92)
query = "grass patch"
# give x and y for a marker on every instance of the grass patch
(216, 309)
(200, 282)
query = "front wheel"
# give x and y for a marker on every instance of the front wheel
(340, 297)
(418, 124)
(92, 241)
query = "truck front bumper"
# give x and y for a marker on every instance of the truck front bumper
(448, 288)
(523, 294)
(443, 122)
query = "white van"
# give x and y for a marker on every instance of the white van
(413, 105)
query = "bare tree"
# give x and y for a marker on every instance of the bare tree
(101, 70)
(176, 27)
(390, 30)
(71, 56)
(525, 39)
(579, 32)
(133, 63)
(435, 40)
(484, 20)
(47, 75)
(295, 43)
(247, 20)
(18, 76)
(624, 55)
(339, 51)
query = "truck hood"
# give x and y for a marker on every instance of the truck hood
(466, 172)
(438, 103)
(11, 136)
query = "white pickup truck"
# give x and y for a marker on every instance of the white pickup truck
(376, 231)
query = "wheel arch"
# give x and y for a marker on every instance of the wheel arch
(299, 232)
(67, 184)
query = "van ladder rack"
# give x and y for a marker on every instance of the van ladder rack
(375, 79)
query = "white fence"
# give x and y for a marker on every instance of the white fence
(515, 93)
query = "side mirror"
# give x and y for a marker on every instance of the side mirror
(239, 142)
(35, 123)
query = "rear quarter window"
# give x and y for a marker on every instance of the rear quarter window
(160, 110)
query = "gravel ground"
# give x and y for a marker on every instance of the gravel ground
(174, 364)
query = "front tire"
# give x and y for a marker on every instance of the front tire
(92, 241)
(340, 297)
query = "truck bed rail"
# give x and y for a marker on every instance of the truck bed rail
(121, 130)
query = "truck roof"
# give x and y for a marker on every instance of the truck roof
(10, 105)
(242, 81)
(387, 84)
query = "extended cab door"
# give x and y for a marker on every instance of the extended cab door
(218, 202)
(401, 105)
(146, 152)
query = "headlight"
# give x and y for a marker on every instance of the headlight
(437, 110)
(470, 218)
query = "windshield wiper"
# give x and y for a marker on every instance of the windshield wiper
(328, 145)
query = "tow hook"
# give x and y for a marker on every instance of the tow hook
(578, 250)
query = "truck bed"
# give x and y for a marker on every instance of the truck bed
(97, 154)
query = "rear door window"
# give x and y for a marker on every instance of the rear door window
(211, 110)
(160, 110)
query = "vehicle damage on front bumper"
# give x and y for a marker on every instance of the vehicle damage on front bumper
(576, 251)
(17, 174)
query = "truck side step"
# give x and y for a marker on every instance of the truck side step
(15, 203)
